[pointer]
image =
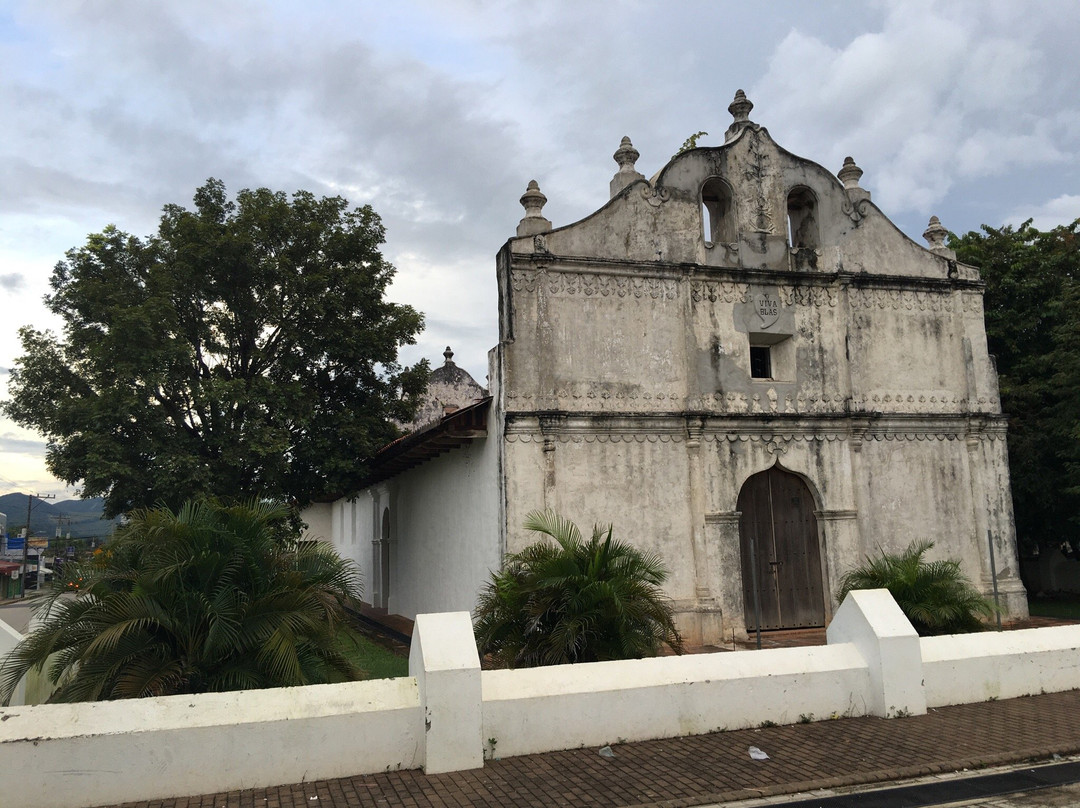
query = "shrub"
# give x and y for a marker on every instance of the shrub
(574, 600)
(935, 595)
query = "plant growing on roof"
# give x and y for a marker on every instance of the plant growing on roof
(574, 600)
(936, 596)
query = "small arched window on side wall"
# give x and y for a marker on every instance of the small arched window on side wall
(717, 212)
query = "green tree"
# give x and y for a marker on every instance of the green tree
(208, 598)
(244, 350)
(935, 595)
(574, 600)
(1032, 304)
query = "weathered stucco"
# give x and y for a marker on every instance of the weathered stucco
(626, 379)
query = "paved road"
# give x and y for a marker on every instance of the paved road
(1061, 797)
(1055, 783)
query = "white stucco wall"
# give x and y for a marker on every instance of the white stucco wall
(965, 668)
(543, 709)
(319, 519)
(9, 638)
(109, 752)
(446, 535)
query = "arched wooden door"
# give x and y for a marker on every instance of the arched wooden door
(779, 542)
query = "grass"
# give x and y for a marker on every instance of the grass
(1055, 607)
(379, 662)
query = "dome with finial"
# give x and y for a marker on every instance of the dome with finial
(449, 388)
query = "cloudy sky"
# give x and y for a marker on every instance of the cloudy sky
(439, 113)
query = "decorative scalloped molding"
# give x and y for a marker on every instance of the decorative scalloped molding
(726, 291)
(774, 444)
(601, 397)
(775, 439)
(596, 437)
(897, 299)
(595, 284)
(562, 283)
(672, 429)
(973, 303)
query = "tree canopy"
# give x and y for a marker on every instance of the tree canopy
(1032, 304)
(245, 349)
(208, 598)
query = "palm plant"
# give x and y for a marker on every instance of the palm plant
(935, 595)
(208, 598)
(574, 600)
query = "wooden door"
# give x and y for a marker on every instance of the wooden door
(779, 543)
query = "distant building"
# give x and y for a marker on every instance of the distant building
(742, 364)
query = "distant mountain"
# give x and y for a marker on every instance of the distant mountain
(82, 518)
(94, 505)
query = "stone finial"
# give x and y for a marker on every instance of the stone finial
(740, 111)
(740, 107)
(533, 200)
(626, 155)
(935, 234)
(448, 355)
(849, 174)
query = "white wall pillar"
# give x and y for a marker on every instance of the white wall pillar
(9, 638)
(445, 662)
(871, 620)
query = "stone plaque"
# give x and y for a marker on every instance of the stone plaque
(766, 308)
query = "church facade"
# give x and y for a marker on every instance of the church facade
(744, 366)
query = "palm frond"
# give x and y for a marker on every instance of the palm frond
(934, 595)
(576, 601)
(207, 597)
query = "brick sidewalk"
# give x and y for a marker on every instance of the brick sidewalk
(681, 772)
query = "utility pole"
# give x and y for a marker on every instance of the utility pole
(26, 542)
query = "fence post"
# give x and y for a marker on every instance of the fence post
(444, 660)
(871, 620)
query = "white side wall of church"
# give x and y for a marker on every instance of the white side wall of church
(446, 536)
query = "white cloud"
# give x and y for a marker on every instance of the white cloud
(941, 93)
(1061, 210)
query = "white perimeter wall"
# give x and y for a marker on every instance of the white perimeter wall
(543, 709)
(966, 668)
(442, 716)
(78, 755)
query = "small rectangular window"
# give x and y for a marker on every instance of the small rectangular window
(760, 362)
